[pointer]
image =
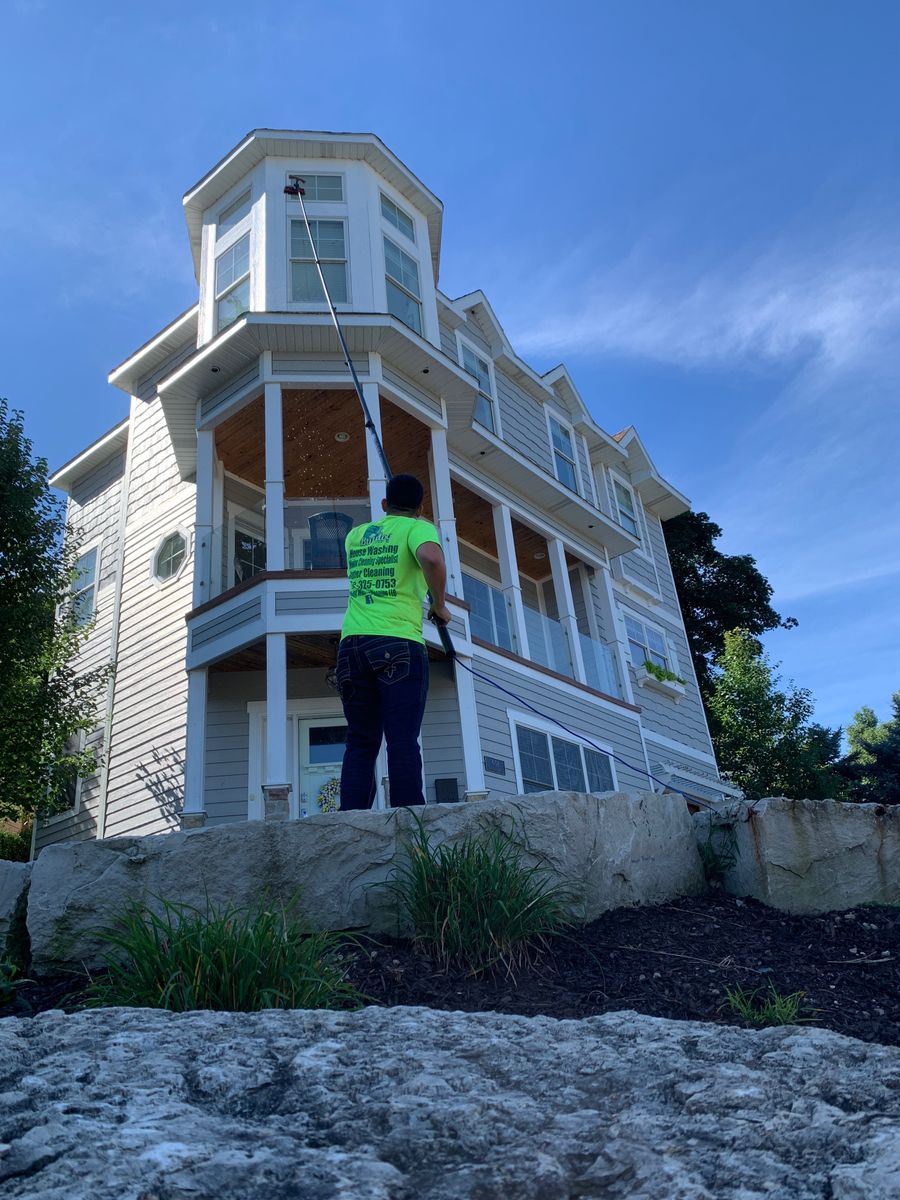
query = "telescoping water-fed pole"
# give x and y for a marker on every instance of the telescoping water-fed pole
(295, 189)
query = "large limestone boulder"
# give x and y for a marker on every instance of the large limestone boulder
(807, 856)
(14, 878)
(411, 1104)
(607, 850)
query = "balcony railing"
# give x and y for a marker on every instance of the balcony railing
(488, 616)
(600, 669)
(547, 642)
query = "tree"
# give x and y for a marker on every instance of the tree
(873, 763)
(718, 592)
(46, 703)
(764, 737)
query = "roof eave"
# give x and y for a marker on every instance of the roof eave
(104, 447)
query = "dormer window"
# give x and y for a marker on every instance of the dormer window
(319, 188)
(625, 507)
(331, 247)
(563, 445)
(484, 404)
(402, 285)
(233, 282)
(395, 216)
(234, 213)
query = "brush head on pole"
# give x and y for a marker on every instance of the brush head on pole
(294, 188)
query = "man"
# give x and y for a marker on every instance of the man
(382, 667)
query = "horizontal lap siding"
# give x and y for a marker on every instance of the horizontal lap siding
(448, 342)
(476, 561)
(146, 771)
(635, 567)
(579, 713)
(309, 603)
(441, 733)
(473, 332)
(524, 423)
(585, 468)
(663, 567)
(403, 384)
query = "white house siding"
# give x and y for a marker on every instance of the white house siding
(575, 708)
(146, 769)
(476, 334)
(93, 513)
(637, 568)
(524, 422)
(663, 567)
(448, 342)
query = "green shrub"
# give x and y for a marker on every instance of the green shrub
(16, 846)
(720, 851)
(475, 904)
(8, 972)
(233, 960)
(769, 1009)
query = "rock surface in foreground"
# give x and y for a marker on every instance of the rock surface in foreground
(403, 1104)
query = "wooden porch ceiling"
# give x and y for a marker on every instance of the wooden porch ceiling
(475, 525)
(313, 650)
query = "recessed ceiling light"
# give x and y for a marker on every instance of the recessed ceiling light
(539, 554)
(342, 437)
(215, 370)
(425, 370)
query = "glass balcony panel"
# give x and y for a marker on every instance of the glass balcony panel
(600, 667)
(547, 642)
(488, 617)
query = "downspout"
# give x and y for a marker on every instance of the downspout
(117, 609)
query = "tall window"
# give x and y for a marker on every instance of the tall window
(553, 764)
(488, 618)
(563, 454)
(84, 585)
(402, 281)
(484, 405)
(233, 282)
(235, 212)
(395, 216)
(626, 508)
(330, 242)
(647, 644)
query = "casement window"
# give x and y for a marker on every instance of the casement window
(626, 506)
(84, 585)
(321, 188)
(233, 282)
(484, 404)
(402, 282)
(235, 212)
(395, 216)
(488, 618)
(331, 246)
(563, 445)
(648, 644)
(554, 764)
(170, 556)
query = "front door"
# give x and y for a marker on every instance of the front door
(321, 752)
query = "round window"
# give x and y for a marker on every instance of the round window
(170, 556)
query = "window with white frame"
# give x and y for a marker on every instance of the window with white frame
(233, 282)
(321, 188)
(330, 241)
(84, 585)
(484, 404)
(647, 644)
(555, 764)
(563, 453)
(626, 506)
(404, 295)
(170, 556)
(488, 617)
(395, 216)
(235, 212)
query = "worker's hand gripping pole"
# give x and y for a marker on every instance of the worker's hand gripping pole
(295, 189)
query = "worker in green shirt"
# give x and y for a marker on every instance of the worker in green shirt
(382, 667)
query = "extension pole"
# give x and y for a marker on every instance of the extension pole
(295, 189)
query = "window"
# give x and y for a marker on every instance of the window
(402, 280)
(234, 213)
(554, 764)
(249, 554)
(563, 454)
(169, 557)
(484, 405)
(625, 507)
(84, 586)
(330, 244)
(397, 217)
(233, 282)
(320, 188)
(488, 618)
(647, 644)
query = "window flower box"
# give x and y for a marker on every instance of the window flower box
(666, 687)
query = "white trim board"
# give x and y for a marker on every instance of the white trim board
(680, 748)
(539, 725)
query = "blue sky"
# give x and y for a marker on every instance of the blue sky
(693, 204)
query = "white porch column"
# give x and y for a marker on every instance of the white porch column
(277, 785)
(565, 605)
(615, 634)
(193, 814)
(509, 577)
(203, 519)
(444, 516)
(377, 479)
(274, 479)
(471, 738)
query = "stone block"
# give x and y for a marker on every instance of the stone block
(14, 880)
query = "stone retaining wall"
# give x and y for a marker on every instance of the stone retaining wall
(609, 850)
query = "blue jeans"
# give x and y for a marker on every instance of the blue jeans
(383, 682)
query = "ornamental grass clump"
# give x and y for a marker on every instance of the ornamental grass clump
(475, 904)
(768, 1008)
(228, 960)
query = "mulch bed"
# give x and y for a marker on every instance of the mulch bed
(670, 960)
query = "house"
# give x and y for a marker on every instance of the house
(212, 521)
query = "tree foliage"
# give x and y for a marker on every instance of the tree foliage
(872, 766)
(45, 702)
(718, 592)
(764, 735)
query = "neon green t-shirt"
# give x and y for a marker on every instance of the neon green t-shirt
(387, 586)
